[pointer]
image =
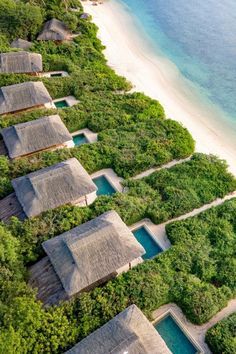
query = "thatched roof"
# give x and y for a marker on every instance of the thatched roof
(84, 16)
(21, 43)
(92, 251)
(20, 62)
(22, 96)
(129, 332)
(26, 138)
(53, 186)
(54, 30)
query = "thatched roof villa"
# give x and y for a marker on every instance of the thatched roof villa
(85, 257)
(55, 30)
(129, 332)
(64, 183)
(20, 97)
(37, 135)
(21, 62)
(84, 16)
(21, 44)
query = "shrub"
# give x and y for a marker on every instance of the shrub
(221, 337)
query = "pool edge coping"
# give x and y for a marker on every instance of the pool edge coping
(105, 174)
(86, 138)
(133, 228)
(142, 223)
(108, 180)
(182, 327)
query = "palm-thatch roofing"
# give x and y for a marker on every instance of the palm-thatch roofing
(22, 96)
(21, 43)
(84, 16)
(129, 332)
(54, 30)
(20, 62)
(50, 187)
(40, 134)
(92, 251)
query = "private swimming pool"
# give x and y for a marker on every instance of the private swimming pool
(176, 340)
(104, 186)
(61, 104)
(56, 75)
(80, 139)
(149, 244)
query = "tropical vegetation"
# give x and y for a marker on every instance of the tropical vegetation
(197, 272)
(222, 337)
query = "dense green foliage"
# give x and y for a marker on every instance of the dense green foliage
(185, 274)
(133, 132)
(197, 272)
(19, 20)
(177, 190)
(140, 201)
(222, 337)
(210, 239)
(128, 150)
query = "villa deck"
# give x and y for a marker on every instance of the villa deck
(9, 206)
(3, 149)
(43, 277)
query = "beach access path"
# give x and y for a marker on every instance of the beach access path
(160, 229)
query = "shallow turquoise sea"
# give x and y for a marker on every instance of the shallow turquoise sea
(199, 36)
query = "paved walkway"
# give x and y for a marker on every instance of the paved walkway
(197, 333)
(168, 165)
(160, 229)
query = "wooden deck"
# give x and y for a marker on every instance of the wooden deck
(3, 149)
(50, 289)
(44, 278)
(9, 206)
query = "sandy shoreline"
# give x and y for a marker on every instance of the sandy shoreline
(130, 55)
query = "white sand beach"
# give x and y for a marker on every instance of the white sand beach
(130, 54)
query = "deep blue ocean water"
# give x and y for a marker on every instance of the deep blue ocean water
(199, 36)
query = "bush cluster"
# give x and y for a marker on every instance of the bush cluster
(187, 274)
(222, 337)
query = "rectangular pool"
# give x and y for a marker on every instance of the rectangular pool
(176, 340)
(80, 139)
(61, 104)
(151, 247)
(56, 75)
(104, 186)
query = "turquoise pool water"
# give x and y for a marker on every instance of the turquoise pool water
(80, 139)
(150, 246)
(61, 104)
(174, 337)
(104, 187)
